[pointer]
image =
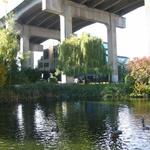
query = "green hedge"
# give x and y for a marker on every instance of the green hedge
(62, 91)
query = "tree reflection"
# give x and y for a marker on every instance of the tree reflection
(81, 124)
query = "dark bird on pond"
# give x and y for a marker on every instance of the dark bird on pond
(145, 127)
(55, 129)
(115, 133)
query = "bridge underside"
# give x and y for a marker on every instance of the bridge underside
(119, 7)
(36, 17)
(39, 20)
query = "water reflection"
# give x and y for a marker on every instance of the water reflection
(133, 136)
(20, 120)
(64, 109)
(75, 125)
(44, 127)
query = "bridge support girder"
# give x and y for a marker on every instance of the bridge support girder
(27, 48)
(28, 62)
(67, 10)
(112, 48)
(65, 23)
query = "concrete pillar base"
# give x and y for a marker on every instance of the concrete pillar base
(114, 78)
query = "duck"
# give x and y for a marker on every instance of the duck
(115, 133)
(55, 129)
(145, 127)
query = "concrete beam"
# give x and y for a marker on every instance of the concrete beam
(24, 49)
(36, 47)
(81, 11)
(112, 5)
(65, 24)
(123, 6)
(38, 31)
(91, 14)
(54, 6)
(25, 9)
(95, 3)
(32, 18)
(24, 43)
(83, 1)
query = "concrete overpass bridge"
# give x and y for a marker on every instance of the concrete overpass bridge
(39, 20)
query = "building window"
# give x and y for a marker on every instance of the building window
(46, 64)
(46, 54)
(40, 65)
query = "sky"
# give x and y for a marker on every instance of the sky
(131, 41)
(4, 7)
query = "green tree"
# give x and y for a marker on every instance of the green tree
(84, 55)
(31, 75)
(93, 54)
(8, 46)
(70, 57)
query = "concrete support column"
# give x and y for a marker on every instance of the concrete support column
(24, 43)
(147, 18)
(24, 48)
(112, 48)
(65, 23)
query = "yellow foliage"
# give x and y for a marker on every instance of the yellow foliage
(3, 75)
(140, 87)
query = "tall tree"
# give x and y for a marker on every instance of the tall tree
(93, 54)
(8, 45)
(84, 55)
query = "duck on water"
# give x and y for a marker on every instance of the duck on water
(145, 127)
(115, 133)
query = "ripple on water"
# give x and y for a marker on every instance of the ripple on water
(82, 125)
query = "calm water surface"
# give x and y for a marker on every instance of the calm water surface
(74, 125)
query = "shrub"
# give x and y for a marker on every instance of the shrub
(139, 75)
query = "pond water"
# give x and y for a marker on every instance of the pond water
(74, 125)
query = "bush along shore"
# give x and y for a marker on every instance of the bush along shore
(38, 91)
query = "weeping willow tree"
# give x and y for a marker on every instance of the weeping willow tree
(84, 55)
(70, 56)
(93, 54)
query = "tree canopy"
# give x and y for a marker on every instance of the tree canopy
(139, 74)
(139, 69)
(82, 55)
(8, 47)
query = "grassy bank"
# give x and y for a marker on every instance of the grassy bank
(62, 91)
